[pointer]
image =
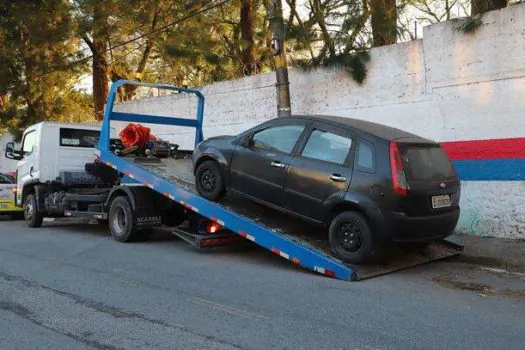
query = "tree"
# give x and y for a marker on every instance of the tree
(247, 19)
(36, 77)
(384, 22)
(482, 6)
(93, 29)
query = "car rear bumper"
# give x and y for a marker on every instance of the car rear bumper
(403, 228)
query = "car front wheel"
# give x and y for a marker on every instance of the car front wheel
(351, 238)
(209, 181)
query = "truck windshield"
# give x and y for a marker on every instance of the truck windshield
(78, 137)
(426, 163)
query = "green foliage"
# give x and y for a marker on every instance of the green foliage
(470, 24)
(35, 38)
(353, 63)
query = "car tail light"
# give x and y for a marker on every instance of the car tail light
(398, 172)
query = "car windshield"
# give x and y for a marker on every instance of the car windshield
(426, 163)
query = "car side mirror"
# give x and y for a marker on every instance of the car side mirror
(247, 141)
(11, 153)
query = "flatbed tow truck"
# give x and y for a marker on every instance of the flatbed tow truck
(300, 243)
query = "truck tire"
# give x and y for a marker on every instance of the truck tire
(209, 181)
(351, 238)
(121, 220)
(31, 215)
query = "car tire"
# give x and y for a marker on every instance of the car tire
(209, 181)
(32, 217)
(121, 220)
(351, 237)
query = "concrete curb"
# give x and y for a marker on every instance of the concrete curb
(508, 254)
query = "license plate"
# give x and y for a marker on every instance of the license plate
(441, 201)
(3, 205)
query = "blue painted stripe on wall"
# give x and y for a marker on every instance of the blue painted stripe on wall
(491, 169)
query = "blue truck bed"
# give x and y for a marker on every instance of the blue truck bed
(298, 242)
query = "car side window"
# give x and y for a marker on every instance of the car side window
(279, 138)
(365, 156)
(28, 146)
(326, 146)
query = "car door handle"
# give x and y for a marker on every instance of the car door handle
(277, 164)
(337, 178)
(31, 171)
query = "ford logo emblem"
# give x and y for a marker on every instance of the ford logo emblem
(443, 185)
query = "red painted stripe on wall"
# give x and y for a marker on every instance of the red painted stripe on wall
(486, 149)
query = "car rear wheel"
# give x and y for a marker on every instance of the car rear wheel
(209, 181)
(31, 215)
(351, 238)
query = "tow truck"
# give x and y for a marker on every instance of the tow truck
(134, 193)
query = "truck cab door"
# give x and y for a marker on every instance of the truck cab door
(27, 168)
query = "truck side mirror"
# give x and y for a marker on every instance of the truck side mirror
(11, 153)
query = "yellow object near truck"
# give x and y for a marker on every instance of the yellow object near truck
(7, 197)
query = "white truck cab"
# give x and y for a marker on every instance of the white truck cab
(49, 150)
(58, 175)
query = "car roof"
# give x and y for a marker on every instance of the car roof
(375, 129)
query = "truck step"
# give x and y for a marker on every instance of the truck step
(85, 214)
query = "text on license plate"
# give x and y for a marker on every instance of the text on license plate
(441, 201)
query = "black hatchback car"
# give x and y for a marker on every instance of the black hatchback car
(367, 183)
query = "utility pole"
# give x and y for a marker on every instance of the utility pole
(275, 17)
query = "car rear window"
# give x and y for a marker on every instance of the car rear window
(78, 137)
(426, 163)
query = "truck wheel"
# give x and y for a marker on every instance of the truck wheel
(209, 181)
(351, 238)
(121, 220)
(31, 215)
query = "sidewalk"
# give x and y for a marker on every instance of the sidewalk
(508, 254)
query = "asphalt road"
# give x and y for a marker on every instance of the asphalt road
(73, 287)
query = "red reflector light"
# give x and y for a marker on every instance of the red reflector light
(212, 227)
(399, 181)
(329, 273)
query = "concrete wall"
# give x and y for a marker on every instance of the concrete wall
(467, 90)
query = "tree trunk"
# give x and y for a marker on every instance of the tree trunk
(249, 61)
(100, 62)
(384, 22)
(482, 6)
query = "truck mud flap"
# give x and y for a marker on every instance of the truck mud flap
(404, 259)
